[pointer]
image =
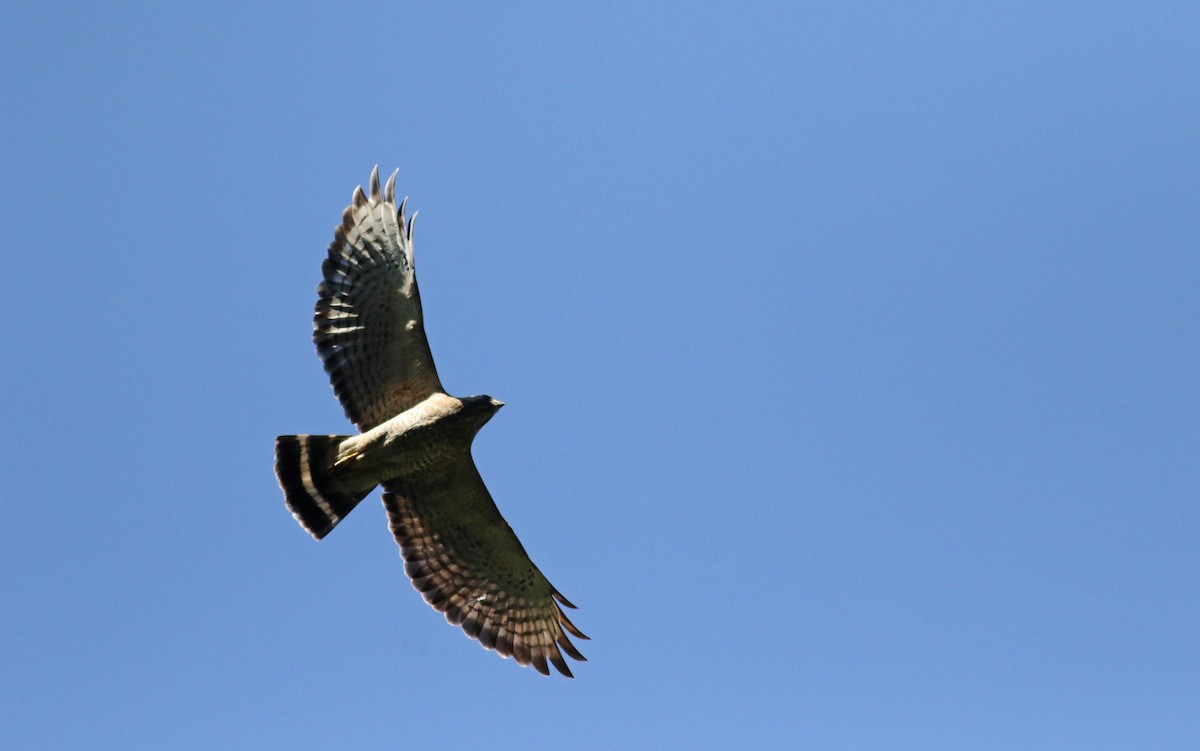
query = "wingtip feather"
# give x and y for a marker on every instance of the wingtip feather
(569, 648)
(389, 193)
(560, 664)
(559, 596)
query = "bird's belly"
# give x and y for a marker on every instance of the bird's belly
(407, 457)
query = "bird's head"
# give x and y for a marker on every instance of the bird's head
(480, 409)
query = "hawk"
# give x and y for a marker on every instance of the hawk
(415, 440)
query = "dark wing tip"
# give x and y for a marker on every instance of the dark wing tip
(566, 623)
(560, 664)
(569, 648)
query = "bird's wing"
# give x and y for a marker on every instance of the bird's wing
(466, 562)
(368, 326)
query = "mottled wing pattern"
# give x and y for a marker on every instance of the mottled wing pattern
(368, 326)
(466, 562)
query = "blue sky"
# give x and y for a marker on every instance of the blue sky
(850, 355)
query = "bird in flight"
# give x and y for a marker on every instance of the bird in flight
(415, 440)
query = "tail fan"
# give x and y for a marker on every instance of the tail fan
(304, 468)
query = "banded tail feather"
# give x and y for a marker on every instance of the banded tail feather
(315, 496)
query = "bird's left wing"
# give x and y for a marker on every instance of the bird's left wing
(368, 326)
(466, 562)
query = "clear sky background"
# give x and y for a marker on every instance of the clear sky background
(851, 355)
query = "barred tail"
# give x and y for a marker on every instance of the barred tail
(318, 499)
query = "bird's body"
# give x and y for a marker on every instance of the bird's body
(415, 442)
(428, 436)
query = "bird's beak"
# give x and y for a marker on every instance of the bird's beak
(497, 403)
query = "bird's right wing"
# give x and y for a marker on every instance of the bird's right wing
(466, 562)
(368, 326)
